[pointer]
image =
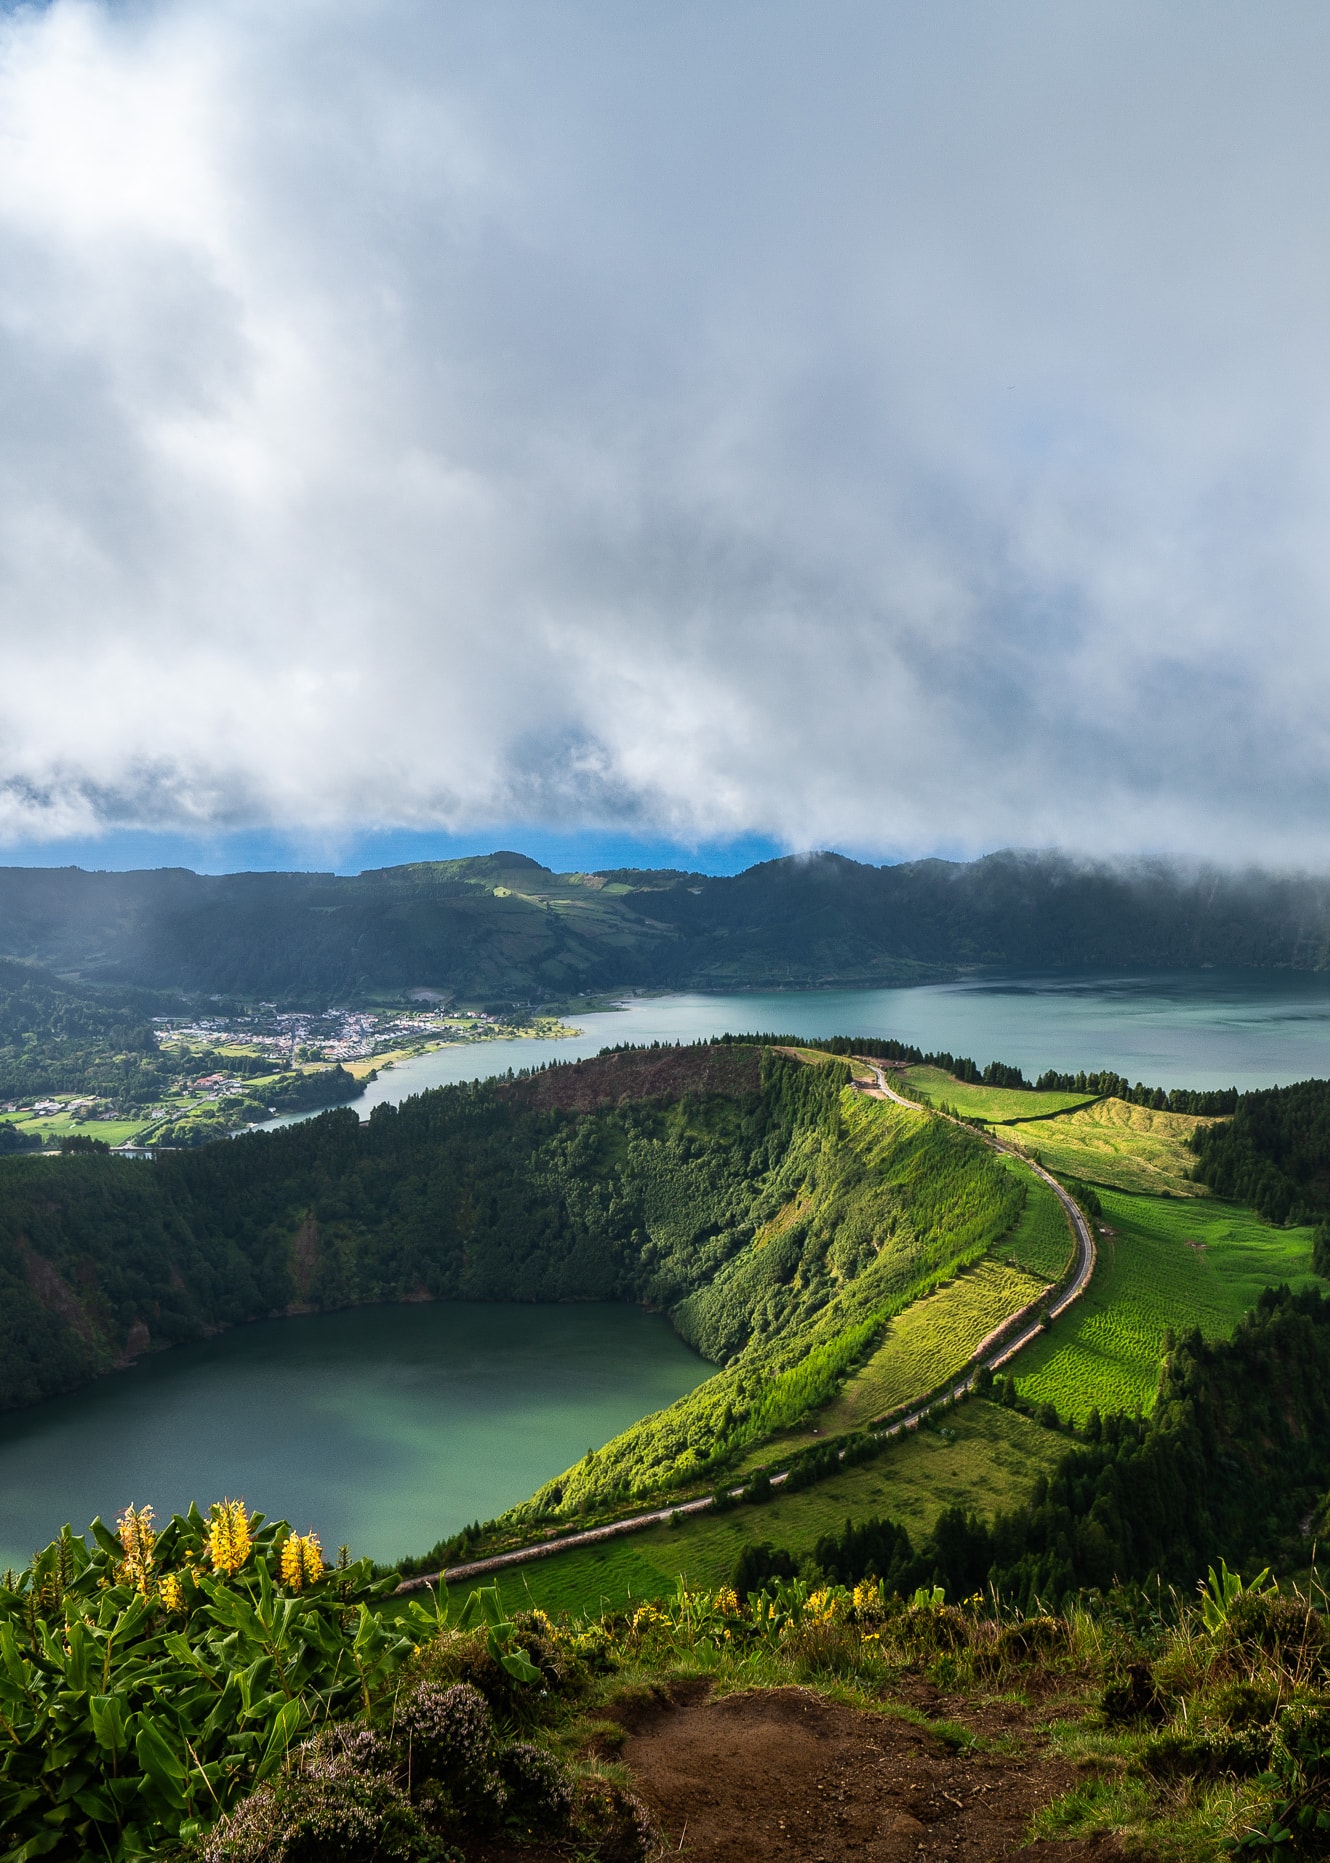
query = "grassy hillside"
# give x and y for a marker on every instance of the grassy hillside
(1163, 1264)
(1127, 1147)
(981, 1457)
(995, 1105)
(927, 1344)
(1041, 1243)
(878, 1205)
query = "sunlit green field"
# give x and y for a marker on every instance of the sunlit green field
(1041, 1243)
(56, 1126)
(996, 1104)
(1114, 1142)
(984, 1458)
(930, 1342)
(1167, 1263)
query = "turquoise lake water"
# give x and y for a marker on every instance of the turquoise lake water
(391, 1427)
(1210, 1028)
(384, 1428)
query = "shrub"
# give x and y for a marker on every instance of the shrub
(448, 1734)
(539, 1791)
(609, 1820)
(331, 1807)
(1136, 1698)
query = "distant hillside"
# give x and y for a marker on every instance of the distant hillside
(503, 926)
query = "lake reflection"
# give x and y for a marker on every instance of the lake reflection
(384, 1427)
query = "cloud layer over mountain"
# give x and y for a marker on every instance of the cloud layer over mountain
(885, 425)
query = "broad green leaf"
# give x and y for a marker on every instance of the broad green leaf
(156, 1757)
(286, 1724)
(108, 1721)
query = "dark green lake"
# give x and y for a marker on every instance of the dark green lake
(384, 1428)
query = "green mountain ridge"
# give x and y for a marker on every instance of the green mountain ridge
(503, 926)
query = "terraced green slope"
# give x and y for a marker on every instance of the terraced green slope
(1164, 1263)
(1127, 1147)
(996, 1105)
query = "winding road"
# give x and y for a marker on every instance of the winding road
(994, 1352)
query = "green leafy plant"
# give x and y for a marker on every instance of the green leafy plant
(1221, 1590)
(143, 1686)
(484, 1605)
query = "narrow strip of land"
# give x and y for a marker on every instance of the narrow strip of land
(994, 1352)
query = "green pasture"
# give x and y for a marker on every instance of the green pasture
(1127, 1147)
(997, 1105)
(51, 1128)
(930, 1342)
(1041, 1242)
(1166, 1262)
(981, 1457)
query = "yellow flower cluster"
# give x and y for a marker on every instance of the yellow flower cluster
(868, 1595)
(137, 1538)
(727, 1601)
(171, 1592)
(827, 1606)
(301, 1561)
(229, 1541)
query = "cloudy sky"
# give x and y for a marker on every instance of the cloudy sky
(898, 427)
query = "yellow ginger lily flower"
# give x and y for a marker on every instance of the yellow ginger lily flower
(229, 1542)
(137, 1538)
(172, 1592)
(301, 1560)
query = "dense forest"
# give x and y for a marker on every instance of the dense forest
(60, 1037)
(776, 1215)
(504, 927)
(1274, 1153)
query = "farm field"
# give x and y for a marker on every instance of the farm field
(982, 1458)
(1041, 1242)
(997, 1105)
(54, 1126)
(1167, 1263)
(928, 1343)
(1127, 1147)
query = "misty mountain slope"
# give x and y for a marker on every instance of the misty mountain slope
(503, 925)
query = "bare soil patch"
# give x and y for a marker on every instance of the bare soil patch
(785, 1776)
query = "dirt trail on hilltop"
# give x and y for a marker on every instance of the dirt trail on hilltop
(785, 1776)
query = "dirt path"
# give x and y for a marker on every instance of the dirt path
(785, 1776)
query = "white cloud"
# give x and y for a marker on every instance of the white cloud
(861, 424)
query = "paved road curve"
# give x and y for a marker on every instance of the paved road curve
(993, 1352)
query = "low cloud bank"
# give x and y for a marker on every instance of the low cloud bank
(869, 426)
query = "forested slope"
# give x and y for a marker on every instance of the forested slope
(1274, 1153)
(772, 1211)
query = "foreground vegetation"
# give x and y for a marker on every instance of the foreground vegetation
(218, 1689)
(1193, 1725)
